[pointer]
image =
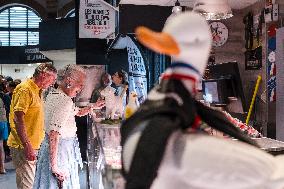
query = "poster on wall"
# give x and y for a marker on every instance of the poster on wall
(96, 19)
(253, 59)
(137, 71)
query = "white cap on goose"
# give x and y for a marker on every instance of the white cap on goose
(186, 37)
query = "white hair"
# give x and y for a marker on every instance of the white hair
(71, 71)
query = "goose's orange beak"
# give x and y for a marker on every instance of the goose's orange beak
(158, 41)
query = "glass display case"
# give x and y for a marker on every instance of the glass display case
(104, 156)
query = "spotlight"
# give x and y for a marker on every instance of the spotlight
(177, 8)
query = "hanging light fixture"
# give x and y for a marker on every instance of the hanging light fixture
(177, 8)
(213, 9)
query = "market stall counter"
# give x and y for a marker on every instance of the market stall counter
(104, 155)
(272, 146)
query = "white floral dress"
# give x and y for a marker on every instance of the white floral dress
(60, 114)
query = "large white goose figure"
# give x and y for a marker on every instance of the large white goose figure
(159, 149)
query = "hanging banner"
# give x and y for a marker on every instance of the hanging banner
(272, 89)
(137, 71)
(271, 63)
(96, 19)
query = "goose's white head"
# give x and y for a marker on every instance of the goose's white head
(186, 37)
(133, 95)
(133, 98)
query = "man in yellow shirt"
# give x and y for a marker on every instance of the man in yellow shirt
(27, 123)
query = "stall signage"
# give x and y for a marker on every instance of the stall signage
(33, 55)
(96, 19)
(137, 72)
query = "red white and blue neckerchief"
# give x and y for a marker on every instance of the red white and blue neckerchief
(182, 71)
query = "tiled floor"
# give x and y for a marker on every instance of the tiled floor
(8, 180)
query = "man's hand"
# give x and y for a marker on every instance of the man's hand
(29, 152)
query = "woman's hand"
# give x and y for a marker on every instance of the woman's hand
(99, 104)
(53, 149)
(84, 111)
(60, 175)
(89, 109)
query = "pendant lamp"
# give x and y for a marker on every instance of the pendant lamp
(177, 8)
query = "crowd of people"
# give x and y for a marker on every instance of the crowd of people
(7, 86)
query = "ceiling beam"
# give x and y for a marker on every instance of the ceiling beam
(51, 5)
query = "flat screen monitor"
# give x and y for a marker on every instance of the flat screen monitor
(232, 85)
(216, 91)
(211, 90)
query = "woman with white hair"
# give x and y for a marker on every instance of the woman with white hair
(59, 155)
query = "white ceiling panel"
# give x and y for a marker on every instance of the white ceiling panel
(235, 4)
